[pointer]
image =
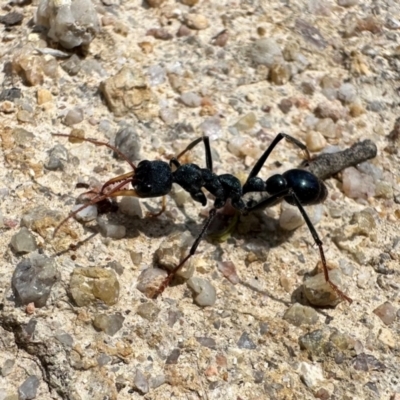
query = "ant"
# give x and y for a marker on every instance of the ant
(155, 178)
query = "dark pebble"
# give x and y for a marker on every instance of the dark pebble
(245, 342)
(12, 18)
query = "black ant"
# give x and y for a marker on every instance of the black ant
(155, 178)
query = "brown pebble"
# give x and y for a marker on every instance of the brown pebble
(159, 33)
(285, 105)
(196, 21)
(221, 39)
(154, 3)
(386, 312)
(189, 3)
(43, 96)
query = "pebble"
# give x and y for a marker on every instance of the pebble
(23, 241)
(228, 270)
(285, 105)
(44, 96)
(189, 3)
(24, 116)
(347, 3)
(314, 342)
(190, 99)
(243, 146)
(347, 93)
(140, 382)
(204, 292)
(266, 51)
(40, 218)
(110, 324)
(211, 127)
(148, 311)
(169, 115)
(172, 250)
(311, 374)
(245, 342)
(280, 73)
(7, 367)
(127, 141)
(88, 214)
(58, 156)
(159, 33)
(155, 3)
(65, 338)
(150, 280)
(207, 342)
(12, 18)
(74, 116)
(386, 312)
(91, 284)
(357, 185)
(291, 218)
(28, 389)
(327, 127)
(109, 230)
(319, 293)
(29, 67)
(298, 315)
(367, 362)
(72, 25)
(33, 279)
(315, 141)
(72, 66)
(173, 357)
(196, 21)
(246, 122)
(131, 206)
(310, 33)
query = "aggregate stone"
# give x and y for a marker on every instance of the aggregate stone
(74, 116)
(319, 293)
(298, 315)
(23, 241)
(28, 389)
(58, 156)
(245, 342)
(266, 51)
(140, 382)
(110, 324)
(127, 141)
(72, 66)
(148, 311)
(311, 374)
(386, 312)
(33, 279)
(7, 367)
(91, 284)
(205, 294)
(150, 280)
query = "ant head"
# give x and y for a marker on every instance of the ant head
(152, 179)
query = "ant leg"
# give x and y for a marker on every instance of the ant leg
(125, 177)
(98, 143)
(114, 193)
(261, 161)
(192, 251)
(206, 141)
(289, 192)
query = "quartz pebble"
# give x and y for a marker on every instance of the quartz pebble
(150, 280)
(33, 279)
(23, 241)
(246, 122)
(28, 389)
(266, 51)
(291, 218)
(319, 293)
(347, 93)
(211, 127)
(298, 315)
(315, 141)
(311, 374)
(110, 324)
(109, 230)
(386, 312)
(196, 21)
(91, 284)
(140, 382)
(74, 116)
(74, 24)
(131, 206)
(245, 342)
(204, 293)
(190, 99)
(88, 214)
(357, 185)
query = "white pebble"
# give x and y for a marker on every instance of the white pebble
(131, 206)
(204, 293)
(89, 213)
(315, 141)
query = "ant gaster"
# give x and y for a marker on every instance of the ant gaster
(155, 178)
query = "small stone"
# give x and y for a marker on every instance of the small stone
(91, 284)
(24, 116)
(285, 105)
(266, 51)
(73, 24)
(228, 270)
(279, 74)
(298, 315)
(327, 127)
(308, 88)
(159, 33)
(347, 93)
(33, 279)
(39, 219)
(72, 66)
(28, 389)
(65, 338)
(12, 18)
(310, 33)
(155, 3)
(127, 141)
(367, 362)
(58, 156)
(131, 206)
(7, 367)
(386, 312)
(357, 185)
(74, 116)
(140, 382)
(207, 342)
(173, 357)
(347, 3)
(150, 280)
(311, 374)
(246, 122)
(211, 127)
(319, 293)
(109, 230)
(196, 21)
(245, 342)
(148, 311)
(44, 96)
(315, 141)
(29, 67)
(313, 342)
(204, 293)
(242, 146)
(291, 218)
(189, 3)
(87, 214)
(169, 115)
(23, 241)
(190, 99)
(110, 324)
(172, 250)
(7, 107)
(356, 109)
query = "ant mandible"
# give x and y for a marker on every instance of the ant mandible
(155, 178)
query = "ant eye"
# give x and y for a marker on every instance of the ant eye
(146, 188)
